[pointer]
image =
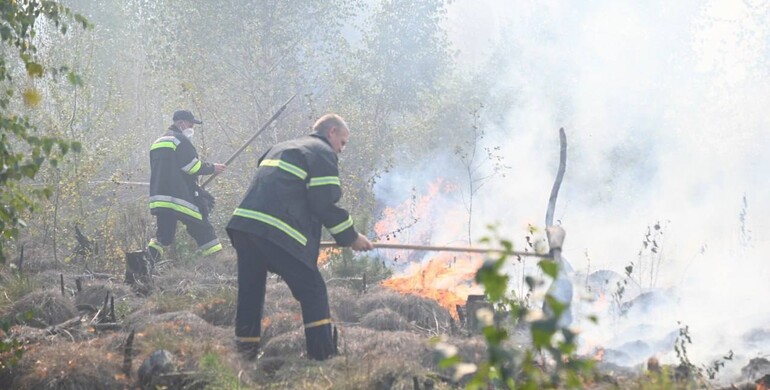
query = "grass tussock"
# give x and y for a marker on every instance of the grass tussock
(423, 312)
(218, 306)
(384, 319)
(65, 365)
(40, 309)
(94, 292)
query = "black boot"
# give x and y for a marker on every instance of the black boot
(248, 350)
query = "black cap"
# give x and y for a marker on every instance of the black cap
(184, 115)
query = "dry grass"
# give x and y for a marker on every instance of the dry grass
(65, 365)
(280, 323)
(384, 319)
(384, 337)
(289, 344)
(425, 313)
(41, 309)
(344, 304)
(94, 292)
(217, 307)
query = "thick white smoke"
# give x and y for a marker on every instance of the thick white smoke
(667, 114)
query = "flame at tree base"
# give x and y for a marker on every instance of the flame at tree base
(448, 279)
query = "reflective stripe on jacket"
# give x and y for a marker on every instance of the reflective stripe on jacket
(294, 192)
(174, 170)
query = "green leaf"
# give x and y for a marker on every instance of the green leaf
(541, 338)
(34, 69)
(549, 267)
(495, 283)
(449, 361)
(554, 304)
(74, 79)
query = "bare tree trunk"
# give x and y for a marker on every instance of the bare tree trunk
(55, 219)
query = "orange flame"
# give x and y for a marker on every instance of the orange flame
(326, 254)
(446, 278)
(417, 219)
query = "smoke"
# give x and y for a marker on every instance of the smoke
(666, 110)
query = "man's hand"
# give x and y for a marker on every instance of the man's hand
(219, 168)
(362, 244)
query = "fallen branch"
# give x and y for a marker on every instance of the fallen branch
(62, 327)
(107, 326)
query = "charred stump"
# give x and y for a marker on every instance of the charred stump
(137, 268)
(472, 306)
(128, 353)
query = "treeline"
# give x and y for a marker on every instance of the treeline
(387, 66)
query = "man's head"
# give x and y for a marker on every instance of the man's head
(334, 128)
(184, 119)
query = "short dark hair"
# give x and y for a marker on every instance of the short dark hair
(326, 122)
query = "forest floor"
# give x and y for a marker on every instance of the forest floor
(105, 334)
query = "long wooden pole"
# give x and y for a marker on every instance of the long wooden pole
(431, 248)
(253, 137)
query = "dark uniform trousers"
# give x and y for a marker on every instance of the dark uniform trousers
(256, 256)
(201, 231)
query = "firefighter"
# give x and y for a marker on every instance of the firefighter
(277, 228)
(174, 191)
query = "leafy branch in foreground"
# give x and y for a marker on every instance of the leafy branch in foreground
(549, 362)
(22, 150)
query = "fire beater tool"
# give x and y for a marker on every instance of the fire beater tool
(430, 248)
(261, 129)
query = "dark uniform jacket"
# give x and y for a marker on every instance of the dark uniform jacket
(294, 192)
(175, 168)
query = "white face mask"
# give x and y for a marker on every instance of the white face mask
(188, 133)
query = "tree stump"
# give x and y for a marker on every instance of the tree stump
(137, 268)
(473, 305)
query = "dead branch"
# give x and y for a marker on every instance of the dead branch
(559, 178)
(61, 328)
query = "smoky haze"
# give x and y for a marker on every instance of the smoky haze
(665, 106)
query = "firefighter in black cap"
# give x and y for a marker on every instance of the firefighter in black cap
(277, 228)
(174, 191)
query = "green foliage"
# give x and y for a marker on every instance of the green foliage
(550, 361)
(216, 374)
(343, 264)
(11, 348)
(13, 287)
(23, 150)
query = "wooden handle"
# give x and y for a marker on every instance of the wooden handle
(430, 248)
